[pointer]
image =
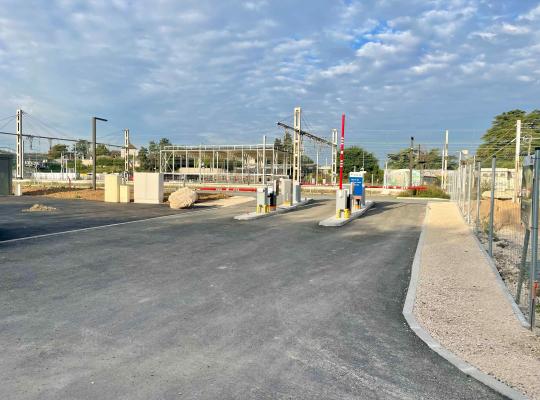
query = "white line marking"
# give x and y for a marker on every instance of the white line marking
(104, 226)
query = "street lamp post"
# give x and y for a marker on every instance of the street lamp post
(94, 157)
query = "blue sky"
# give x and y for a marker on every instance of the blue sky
(227, 71)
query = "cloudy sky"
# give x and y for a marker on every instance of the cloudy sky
(210, 71)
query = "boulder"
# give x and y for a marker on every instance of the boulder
(499, 195)
(182, 198)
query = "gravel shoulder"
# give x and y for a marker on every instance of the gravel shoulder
(460, 303)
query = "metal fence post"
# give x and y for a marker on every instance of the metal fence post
(469, 189)
(492, 205)
(478, 196)
(534, 237)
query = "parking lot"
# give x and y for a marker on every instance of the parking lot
(196, 305)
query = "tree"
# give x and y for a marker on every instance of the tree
(144, 164)
(102, 150)
(287, 142)
(355, 157)
(149, 157)
(81, 147)
(427, 159)
(57, 150)
(499, 139)
(277, 143)
(164, 142)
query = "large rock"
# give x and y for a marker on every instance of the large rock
(182, 198)
(499, 195)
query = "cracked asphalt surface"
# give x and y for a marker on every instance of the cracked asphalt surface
(200, 306)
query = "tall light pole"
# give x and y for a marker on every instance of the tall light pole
(411, 151)
(94, 157)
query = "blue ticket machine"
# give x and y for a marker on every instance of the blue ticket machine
(358, 197)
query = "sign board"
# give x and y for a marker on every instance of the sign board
(526, 190)
(357, 179)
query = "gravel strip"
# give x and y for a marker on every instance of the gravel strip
(460, 303)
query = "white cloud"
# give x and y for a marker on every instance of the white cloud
(255, 5)
(339, 70)
(293, 45)
(532, 15)
(133, 60)
(514, 29)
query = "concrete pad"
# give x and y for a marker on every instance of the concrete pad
(333, 221)
(278, 210)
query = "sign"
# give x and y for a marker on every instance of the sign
(357, 179)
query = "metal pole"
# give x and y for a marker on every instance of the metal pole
(469, 187)
(334, 156)
(445, 161)
(492, 205)
(534, 238)
(20, 146)
(94, 156)
(94, 169)
(523, 263)
(516, 161)
(411, 161)
(126, 149)
(317, 168)
(297, 151)
(273, 162)
(478, 195)
(264, 161)
(341, 151)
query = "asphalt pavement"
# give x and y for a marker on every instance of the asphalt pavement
(200, 306)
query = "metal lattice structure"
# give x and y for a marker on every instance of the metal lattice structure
(241, 164)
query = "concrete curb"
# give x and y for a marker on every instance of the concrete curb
(462, 365)
(333, 221)
(279, 210)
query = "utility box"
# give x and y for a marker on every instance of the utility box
(125, 193)
(6, 174)
(286, 192)
(297, 193)
(112, 188)
(343, 207)
(148, 187)
(263, 204)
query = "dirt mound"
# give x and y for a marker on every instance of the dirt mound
(65, 193)
(38, 208)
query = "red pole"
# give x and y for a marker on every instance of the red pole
(342, 146)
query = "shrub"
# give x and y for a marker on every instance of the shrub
(430, 191)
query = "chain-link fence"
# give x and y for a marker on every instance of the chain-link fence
(493, 200)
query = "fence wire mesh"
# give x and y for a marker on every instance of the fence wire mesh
(489, 196)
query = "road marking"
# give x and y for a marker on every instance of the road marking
(105, 226)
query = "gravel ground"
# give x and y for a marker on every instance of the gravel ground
(461, 304)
